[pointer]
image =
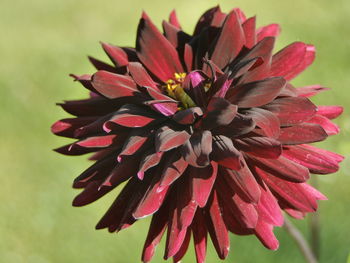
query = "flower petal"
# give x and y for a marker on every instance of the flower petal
(219, 112)
(312, 158)
(174, 167)
(116, 54)
(155, 51)
(302, 133)
(197, 149)
(329, 127)
(225, 154)
(256, 93)
(284, 169)
(243, 183)
(292, 60)
(167, 139)
(202, 180)
(265, 120)
(200, 233)
(260, 146)
(131, 116)
(140, 75)
(230, 41)
(292, 110)
(272, 30)
(155, 233)
(330, 112)
(309, 91)
(217, 228)
(113, 85)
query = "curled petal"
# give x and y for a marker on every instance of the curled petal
(225, 154)
(197, 149)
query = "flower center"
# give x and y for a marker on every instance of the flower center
(174, 89)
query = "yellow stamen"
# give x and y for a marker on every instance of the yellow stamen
(175, 90)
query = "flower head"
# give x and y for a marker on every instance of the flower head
(205, 129)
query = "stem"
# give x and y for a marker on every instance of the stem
(315, 225)
(300, 240)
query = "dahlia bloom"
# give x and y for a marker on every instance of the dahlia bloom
(206, 131)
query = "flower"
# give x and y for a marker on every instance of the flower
(206, 130)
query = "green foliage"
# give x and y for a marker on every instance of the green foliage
(43, 41)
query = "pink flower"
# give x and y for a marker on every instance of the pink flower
(206, 130)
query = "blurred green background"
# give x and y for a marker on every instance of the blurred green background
(42, 41)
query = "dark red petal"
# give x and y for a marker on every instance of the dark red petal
(202, 180)
(152, 200)
(292, 60)
(292, 110)
(85, 80)
(162, 103)
(313, 158)
(264, 232)
(155, 51)
(243, 183)
(174, 167)
(260, 146)
(89, 107)
(113, 85)
(240, 125)
(174, 20)
(284, 169)
(171, 33)
(167, 139)
(140, 75)
(302, 133)
(330, 112)
(242, 17)
(188, 116)
(96, 172)
(329, 127)
(200, 233)
(291, 193)
(217, 228)
(244, 212)
(185, 204)
(206, 19)
(249, 32)
(265, 120)
(188, 57)
(116, 54)
(183, 249)
(175, 235)
(225, 154)
(149, 160)
(268, 208)
(98, 141)
(131, 116)
(100, 65)
(135, 142)
(219, 112)
(67, 127)
(96, 128)
(230, 41)
(155, 233)
(123, 171)
(115, 212)
(257, 93)
(309, 91)
(197, 149)
(262, 50)
(272, 30)
(194, 85)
